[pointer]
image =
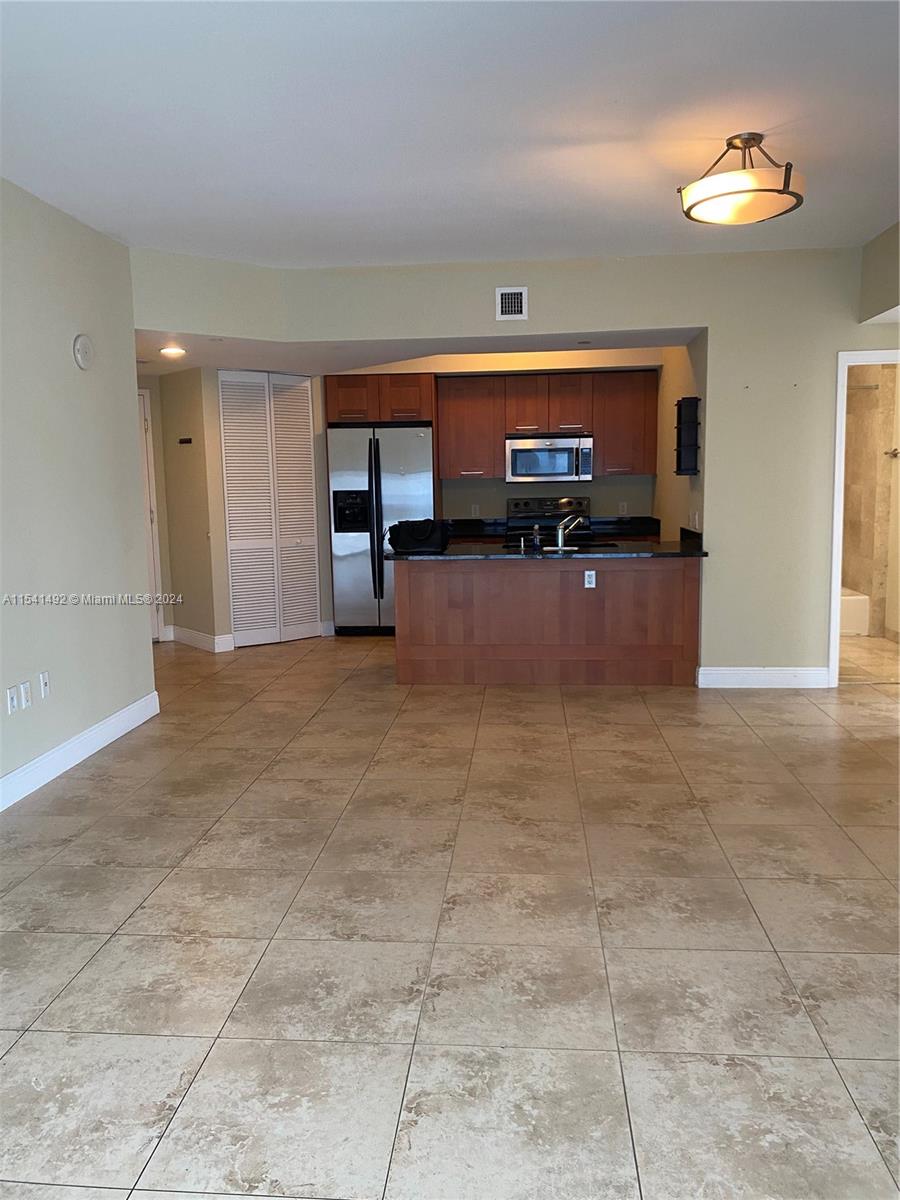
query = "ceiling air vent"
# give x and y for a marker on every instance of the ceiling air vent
(512, 303)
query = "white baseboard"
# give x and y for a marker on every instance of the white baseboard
(47, 766)
(328, 629)
(762, 677)
(167, 633)
(203, 641)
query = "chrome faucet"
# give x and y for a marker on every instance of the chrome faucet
(572, 521)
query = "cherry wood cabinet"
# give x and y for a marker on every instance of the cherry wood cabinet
(517, 621)
(352, 398)
(406, 397)
(570, 404)
(625, 422)
(470, 426)
(527, 404)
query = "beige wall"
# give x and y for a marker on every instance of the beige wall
(182, 403)
(775, 322)
(892, 599)
(150, 383)
(868, 476)
(72, 492)
(879, 290)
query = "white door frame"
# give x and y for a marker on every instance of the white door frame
(845, 360)
(150, 510)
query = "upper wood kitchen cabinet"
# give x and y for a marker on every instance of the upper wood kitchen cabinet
(625, 422)
(527, 404)
(352, 398)
(570, 404)
(406, 397)
(470, 426)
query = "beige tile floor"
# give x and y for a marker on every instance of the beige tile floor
(869, 659)
(312, 934)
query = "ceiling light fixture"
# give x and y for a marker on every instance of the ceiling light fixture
(746, 196)
(172, 351)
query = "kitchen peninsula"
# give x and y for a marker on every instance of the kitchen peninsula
(482, 614)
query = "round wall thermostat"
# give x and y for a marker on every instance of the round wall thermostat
(83, 349)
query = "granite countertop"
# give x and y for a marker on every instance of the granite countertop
(467, 551)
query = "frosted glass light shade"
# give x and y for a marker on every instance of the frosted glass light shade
(743, 197)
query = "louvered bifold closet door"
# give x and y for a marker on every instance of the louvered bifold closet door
(249, 506)
(295, 507)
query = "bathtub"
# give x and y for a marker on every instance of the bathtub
(854, 613)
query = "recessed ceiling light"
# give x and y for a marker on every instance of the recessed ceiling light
(172, 351)
(744, 197)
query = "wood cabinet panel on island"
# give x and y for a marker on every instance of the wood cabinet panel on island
(485, 621)
(625, 422)
(470, 426)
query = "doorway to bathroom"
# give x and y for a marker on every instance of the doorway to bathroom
(865, 618)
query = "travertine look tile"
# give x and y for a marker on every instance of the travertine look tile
(334, 991)
(265, 845)
(82, 798)
(88, 1109)
(512, 1123)
(77, 899)
(34, 967)
(289, 1118)
(709, 1001)
(522, 739)
(217, 901)
(417, 799)
(519, 910)
(12, 874)
(683, 849)
(503, 800)
(44, 1191)
(262, 723)
(638, 766)
(875, 1087)
(319, 762)
(859, 803)
(723, 1127)
(27, 838)
(617, 802)
(389, 845)
(793, 852)
(129, 841)
(8, 1037)
(418, 763)
(881, 846)
(367, 906)
(517, 996)
(852, 1000)
(293, 799)
(522, 847)
(441, 734)
(759, 804)
(689, 914)
(854, 915)
(162, 985)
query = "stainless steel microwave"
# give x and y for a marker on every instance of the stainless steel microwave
(541, 459)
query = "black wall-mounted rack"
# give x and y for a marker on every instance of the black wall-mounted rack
(687, 436)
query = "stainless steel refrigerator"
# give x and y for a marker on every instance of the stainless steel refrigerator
(378, 475)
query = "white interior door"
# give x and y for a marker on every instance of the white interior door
(295, 507)
(154, 571)
(249, 506)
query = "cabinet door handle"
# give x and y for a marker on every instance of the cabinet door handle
(579, 425)
(351, 412)
(399, 412)
(528, 427)
(471, 472)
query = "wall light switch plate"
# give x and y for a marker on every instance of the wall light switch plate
(44, 678)
(25, 694)
(695, 521)
(590, 579)
(12, 700)
(623, 508)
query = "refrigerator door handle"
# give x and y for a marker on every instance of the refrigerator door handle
(378, 531)
(373, 519)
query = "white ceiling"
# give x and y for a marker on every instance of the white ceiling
(325, 358)
(308, 134)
